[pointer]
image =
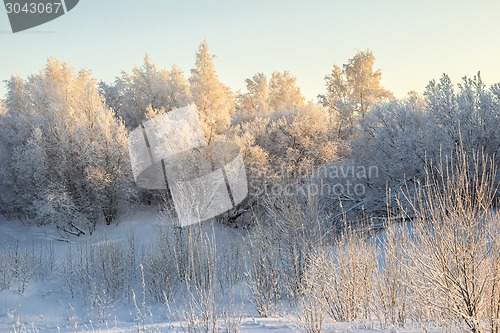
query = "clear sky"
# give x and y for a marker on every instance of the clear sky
(413, 41)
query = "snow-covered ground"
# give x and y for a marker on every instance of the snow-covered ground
(45, 305)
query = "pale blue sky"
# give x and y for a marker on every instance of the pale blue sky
(413, 41)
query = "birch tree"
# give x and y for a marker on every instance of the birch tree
(352, 90)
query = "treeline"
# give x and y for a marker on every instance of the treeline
(63, 134)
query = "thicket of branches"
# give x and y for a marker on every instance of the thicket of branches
(437, 269)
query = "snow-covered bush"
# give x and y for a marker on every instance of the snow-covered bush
(279, 248)
(453, 252)
(349, 284)
(6, 273)
(313, 305)
(161, 269)
(263, 272)
(392, 293)
(22, 263)
(199, 309)
(100, 273)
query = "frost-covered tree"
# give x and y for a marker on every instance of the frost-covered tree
(469, 116)
(66, 153)
(298, 139)
(285, 146)
(351, 91)
(132, 93)
(282, 150)
(395, 138)
(214, 100)
(279, 136)
(283, 91)
(263, 96)
(256, 99)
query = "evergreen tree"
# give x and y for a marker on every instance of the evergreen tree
(214, 100)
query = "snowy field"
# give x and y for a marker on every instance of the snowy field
(45, 305)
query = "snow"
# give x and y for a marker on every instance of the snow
(46, 307)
